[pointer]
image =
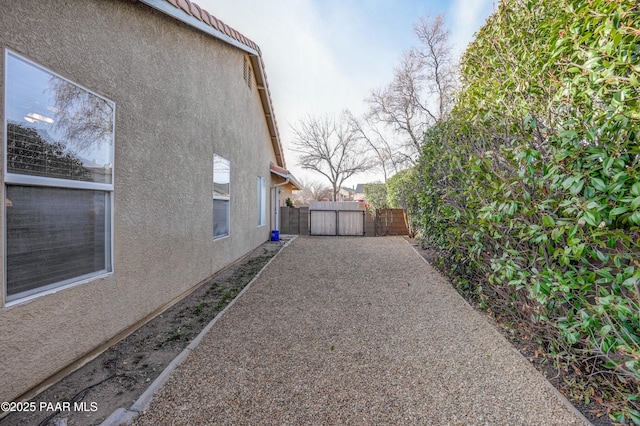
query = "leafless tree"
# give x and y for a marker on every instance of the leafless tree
(438, 64)
(314, 191)
(421, 90)
(83, 119)
(332, 148)
(388, 158)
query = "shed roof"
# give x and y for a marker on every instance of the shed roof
(195, 16)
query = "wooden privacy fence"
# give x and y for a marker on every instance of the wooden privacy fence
(336, 218)
(391, 222)
(328, 218)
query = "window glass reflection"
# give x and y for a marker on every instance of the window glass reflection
(56, 128)
(54, 235)
(220, 218)
(221, 176)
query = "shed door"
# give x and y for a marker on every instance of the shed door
(336, 222)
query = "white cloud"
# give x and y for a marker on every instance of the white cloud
(305, 73)
(322, 56)
(467, 17)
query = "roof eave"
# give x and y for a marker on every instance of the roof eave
(267, 105)
(178, 13)
(176, 9)
(287, 175)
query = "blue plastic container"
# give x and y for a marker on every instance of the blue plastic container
(275, 235)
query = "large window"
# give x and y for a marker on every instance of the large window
(262, 201)
(221, 196)
(58, 175)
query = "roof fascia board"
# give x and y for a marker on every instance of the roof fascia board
(282, 175)
(292, 180)
(267, 104)
(179, 14)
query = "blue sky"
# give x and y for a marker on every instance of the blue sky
(324, 56)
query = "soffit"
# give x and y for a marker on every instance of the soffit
(287, 175)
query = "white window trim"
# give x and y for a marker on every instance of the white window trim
(223, 198)
(228, 234)
(262, 201)
(56, 287)
(28, 180)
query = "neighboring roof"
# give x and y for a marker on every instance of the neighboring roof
(359, 188)
(286, 174)
(193, 15)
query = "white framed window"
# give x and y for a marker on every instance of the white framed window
(58, 176)
(221, 196)
(262, 201)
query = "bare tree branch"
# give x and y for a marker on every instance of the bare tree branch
(83, 119)
(313, 191)
(388, 157)
(438, 64)
(332, 148)
(420, 93)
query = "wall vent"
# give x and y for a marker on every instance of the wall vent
(247, 72)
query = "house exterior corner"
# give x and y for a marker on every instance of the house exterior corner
(172, 187)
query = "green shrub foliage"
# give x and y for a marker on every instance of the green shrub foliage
(531, 188)
(402, 188)
(375, 195)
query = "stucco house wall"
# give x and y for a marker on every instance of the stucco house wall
(180, 98)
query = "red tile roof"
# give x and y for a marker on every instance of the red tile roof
(279, 170)
(284, 173)
(192, 9)
(202, 15)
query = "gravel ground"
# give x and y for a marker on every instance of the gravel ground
(341, 330)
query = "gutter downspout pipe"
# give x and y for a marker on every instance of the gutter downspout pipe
(277, 199)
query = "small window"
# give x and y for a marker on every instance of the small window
(221, 196)
(262, 201)
(58, 179)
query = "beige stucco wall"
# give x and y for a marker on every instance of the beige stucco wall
(180, 97)
(287, 192)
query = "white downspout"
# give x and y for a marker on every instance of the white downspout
(277, 211)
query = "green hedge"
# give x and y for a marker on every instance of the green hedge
(531, 189)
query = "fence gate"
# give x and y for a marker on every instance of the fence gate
(336, 218)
